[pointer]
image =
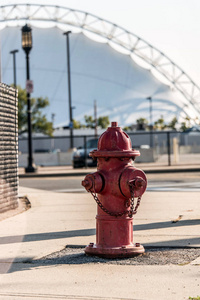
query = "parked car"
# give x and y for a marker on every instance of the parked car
(81, 158)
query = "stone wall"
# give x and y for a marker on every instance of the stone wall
(8, 148)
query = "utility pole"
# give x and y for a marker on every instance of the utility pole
(95, 118)
(14, 66)
(69, 89)
(151, 121)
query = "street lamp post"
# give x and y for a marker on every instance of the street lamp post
(69, 90)
(151, 121)
(13, 52)
(27, 46)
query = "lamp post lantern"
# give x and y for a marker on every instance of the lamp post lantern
(27, 46)
(69, 90)
(13, 52)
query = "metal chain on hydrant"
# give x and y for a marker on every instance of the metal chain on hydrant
(130, 212)
(132, 209)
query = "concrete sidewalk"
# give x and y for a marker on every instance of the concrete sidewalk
(56, 220)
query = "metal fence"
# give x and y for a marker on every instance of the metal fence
(166, 147)
(8, 148)
(47, 144)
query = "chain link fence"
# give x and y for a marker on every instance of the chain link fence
(8, 148)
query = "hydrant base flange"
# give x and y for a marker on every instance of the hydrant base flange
(114, 252)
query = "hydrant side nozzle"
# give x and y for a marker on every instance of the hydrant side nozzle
(132, 179)
(93, 182)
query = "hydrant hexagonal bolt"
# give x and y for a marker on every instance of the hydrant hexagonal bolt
(114, 186)
(138, 182)
(87, 184)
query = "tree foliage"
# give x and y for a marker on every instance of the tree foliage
(185, 124)
(160, 124)
(90, 122)
(102, 122)
(173, 123)
(141, 123)
(38, 120)
(76, 124)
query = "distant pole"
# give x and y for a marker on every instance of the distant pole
(168, 148)
(95, 117)
(13, 52)
(69, 90)
(52, 140)
(151, 121)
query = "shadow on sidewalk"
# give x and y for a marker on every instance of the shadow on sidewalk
(168, 224)
(88, 232)
(46, 236)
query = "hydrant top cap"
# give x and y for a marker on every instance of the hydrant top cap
(114, 142)
(114, 124)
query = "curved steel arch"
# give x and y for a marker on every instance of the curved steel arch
(133, 44)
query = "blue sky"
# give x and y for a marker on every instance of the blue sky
(172, 26)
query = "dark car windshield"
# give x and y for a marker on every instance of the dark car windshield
(92, 144)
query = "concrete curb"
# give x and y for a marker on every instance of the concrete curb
(83, 173)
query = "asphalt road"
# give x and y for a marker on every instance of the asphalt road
(156, 182)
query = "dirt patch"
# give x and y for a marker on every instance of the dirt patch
(153, 256)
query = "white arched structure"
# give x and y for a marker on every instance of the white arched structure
(143, 53)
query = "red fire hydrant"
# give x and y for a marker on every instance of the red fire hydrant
(114, 187)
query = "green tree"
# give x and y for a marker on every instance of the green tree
(185, 124)
(127, 128)
(141, 123)
(103, 122)
(76, 124)
(90, 122)
(160, 124)
(173, 123)
(38, 120)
